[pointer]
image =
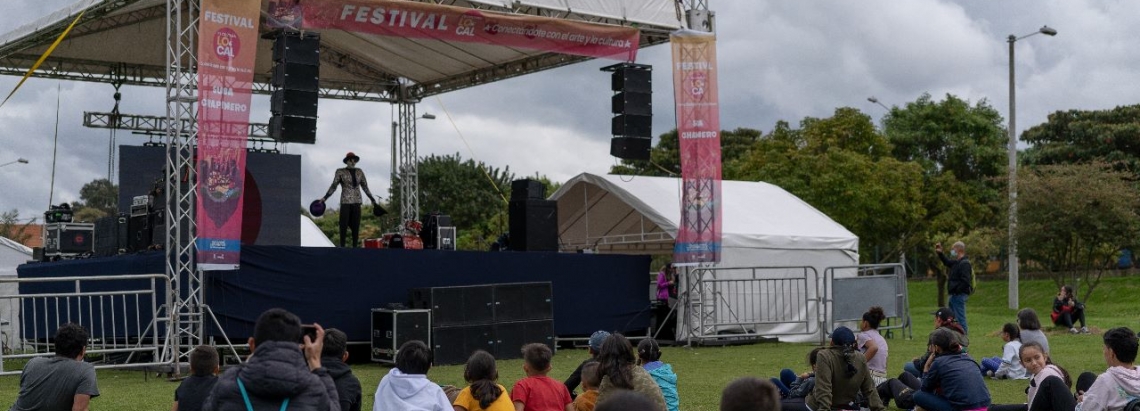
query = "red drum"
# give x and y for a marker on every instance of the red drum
(373, 243)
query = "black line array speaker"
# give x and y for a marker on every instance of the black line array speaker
(533, 225)
(632, 106)
(139, 232)
(296, 77)
(527, 189)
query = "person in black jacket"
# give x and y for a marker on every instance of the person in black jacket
(333, 358)
(279, 372)
(960, 282)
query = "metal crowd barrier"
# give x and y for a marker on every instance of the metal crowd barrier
(732, 306)
(125, 322)
(883, 285)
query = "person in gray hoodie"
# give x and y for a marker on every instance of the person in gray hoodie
(406, 387)
(1121, 382)
(285, 369)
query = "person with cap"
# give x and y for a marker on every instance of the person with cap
(842, 380)
(595, 345)
(351, 180)
(960, 282)
(943, 318)
(950, 378)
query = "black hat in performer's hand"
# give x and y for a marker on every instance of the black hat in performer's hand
(317, 208)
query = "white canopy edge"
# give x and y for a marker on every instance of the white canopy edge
(66, 13)
(312, 236)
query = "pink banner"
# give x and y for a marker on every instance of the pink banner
(457, 24)
(227, 45)
(698, 130)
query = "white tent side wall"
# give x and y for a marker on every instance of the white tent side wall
(762, 226)
(12, 254)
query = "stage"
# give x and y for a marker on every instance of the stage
(339, 287)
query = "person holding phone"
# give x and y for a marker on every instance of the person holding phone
(1066, 308)
(960, 281)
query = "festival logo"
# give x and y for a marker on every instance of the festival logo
(226, 44)
(223, 185)
(696, 82)
(467, 23)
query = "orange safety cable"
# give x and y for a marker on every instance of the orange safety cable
(44, 57)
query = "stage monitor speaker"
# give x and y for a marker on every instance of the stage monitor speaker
(630, 148)
(631, 125)
(293, 129)
(523, 302)
(298, 103)
(640, 104)
(393, 328)
(636, 78)
(110, 235)
(511, 336)
(462, 305)
(297, 48)
(527, 189)
(452, 345)
(446, 239)
(533, 225)
(430, 233)
(293, 76)
(139, 233)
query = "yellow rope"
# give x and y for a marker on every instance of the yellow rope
(44, 57)
(469, 150)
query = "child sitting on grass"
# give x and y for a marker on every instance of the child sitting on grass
(588, 399)
(1009, 364)
(537, 392)
(483, 392)
(407, 387)
(193, 391)
(649, 355)
(791, 385)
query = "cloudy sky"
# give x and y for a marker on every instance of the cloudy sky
(779, 60)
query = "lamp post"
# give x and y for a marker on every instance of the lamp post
(1013, 278)
(19, 160)
(395, 156)
(876, 101)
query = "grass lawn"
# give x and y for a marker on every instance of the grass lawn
(704, 371)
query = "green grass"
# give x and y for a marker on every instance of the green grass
(704, 371)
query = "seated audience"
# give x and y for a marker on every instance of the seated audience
(950, 378)
(1009, 364)
(842, 380)
(1031, 328)
(943, 318)
(192, 392)
(483, 392)
(333, 358)
(649, 356)
(407, 387)
(619, 372)
(537, 392)
(749, 394)
(1118, 385)
(626, 401)
(595, 344)
(791, 385)
(872, 344)
(285, 369)
(900, 389)
(590, 382)
(60, 382)
(1066, 309)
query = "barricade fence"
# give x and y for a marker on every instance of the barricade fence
(124, 321)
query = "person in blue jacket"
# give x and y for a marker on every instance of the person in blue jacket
(951, 380)
(649, 354)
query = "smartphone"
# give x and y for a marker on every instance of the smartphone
(309, 330)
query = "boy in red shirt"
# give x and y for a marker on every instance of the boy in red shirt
(537, 392)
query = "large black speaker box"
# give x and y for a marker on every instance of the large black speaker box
(632, 103)
(296, 76)
(139, 232)
(630, 148)
(298, 103)
(293, 129)
(462, 305)
(524, 302)
(294, 47)
(638, 79)
(527, 189)
(510, 337)
(533, 225)
(631, 125)
(111, 235)
(452, 345)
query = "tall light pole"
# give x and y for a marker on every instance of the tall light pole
(18, 160)
(1013, 292)
(876, 101)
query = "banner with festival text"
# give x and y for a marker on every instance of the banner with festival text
(227, 45)
(401, 18)
(698, 130)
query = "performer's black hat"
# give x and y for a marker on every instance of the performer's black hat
(351, 156)
(317, 208)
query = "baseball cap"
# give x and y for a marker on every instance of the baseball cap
(597, 338)
(842, 336)
(944, 314)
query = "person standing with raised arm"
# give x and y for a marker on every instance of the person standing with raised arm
(960, 281)
(351, 180)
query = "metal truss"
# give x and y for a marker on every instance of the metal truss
(152, 125)
(409, 163)
(186, 315)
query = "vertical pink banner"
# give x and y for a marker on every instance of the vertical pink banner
(698, 130)
(227, 45)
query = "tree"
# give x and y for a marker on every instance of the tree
(98, 198)
(665, 157)
(1075, 218)
(11, 228)
(1080, 136)
(841, 166)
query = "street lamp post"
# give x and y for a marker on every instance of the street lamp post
(1013, 275)
(18, 160)
(876, 101)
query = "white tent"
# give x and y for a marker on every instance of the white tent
(311, 235)
(12, 254)
(762, 226)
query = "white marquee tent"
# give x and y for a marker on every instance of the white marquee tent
(762, 226)
(12, 254)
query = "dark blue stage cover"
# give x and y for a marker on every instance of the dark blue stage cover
(339, 287)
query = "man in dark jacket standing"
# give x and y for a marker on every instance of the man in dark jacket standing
(960, 281)
(284, 367)
(333, 358)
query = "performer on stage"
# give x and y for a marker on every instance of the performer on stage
(351, 180)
